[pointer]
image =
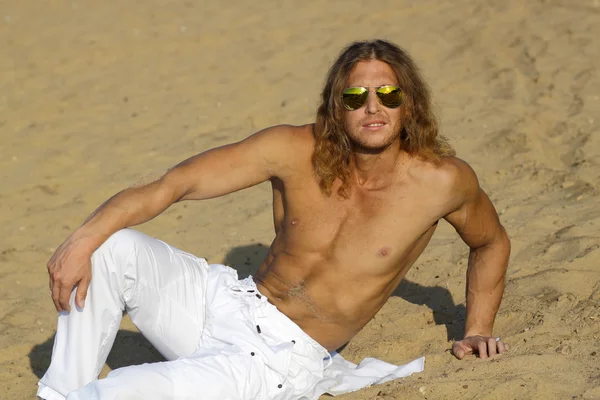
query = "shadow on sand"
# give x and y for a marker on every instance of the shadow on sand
(440, 302)
(131, 348)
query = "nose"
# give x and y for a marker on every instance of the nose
(372, 103)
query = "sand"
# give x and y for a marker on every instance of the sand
(95, 96)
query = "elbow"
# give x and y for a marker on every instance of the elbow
(497, 243)
(505, 241)
(502, 246)
(173, 187)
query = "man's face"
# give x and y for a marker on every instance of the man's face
(373, 127)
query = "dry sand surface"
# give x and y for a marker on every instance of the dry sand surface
(96, 95)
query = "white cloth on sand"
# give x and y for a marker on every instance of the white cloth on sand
(343, 376)
(222, 338)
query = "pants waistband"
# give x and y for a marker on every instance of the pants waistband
(247, 288)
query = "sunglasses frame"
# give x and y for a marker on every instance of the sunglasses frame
(365, 89)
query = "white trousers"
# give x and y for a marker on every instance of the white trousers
(221, 337)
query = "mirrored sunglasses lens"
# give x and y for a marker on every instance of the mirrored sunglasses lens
(354, 98)
(390, 96)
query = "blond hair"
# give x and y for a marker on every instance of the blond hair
(419, 136)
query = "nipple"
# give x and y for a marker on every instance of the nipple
(384, 251)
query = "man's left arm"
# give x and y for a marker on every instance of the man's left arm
(477, 223)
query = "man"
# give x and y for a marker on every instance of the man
(356, 198)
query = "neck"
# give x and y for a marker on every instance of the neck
(373, 170)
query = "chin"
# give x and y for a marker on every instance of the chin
(371, 148)
(374, 144)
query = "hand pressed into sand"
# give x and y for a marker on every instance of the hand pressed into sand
(485, 346)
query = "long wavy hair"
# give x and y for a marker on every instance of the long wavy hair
(419, 135)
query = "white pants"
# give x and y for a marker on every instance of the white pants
(221, 337)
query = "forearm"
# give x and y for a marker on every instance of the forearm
(485, 284)
(132, 206)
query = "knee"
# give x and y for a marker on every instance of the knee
(127, 237)
(121, 246)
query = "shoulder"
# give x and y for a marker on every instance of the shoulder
(457, 174)
(283, 146)
(284, 137)
(452, 180)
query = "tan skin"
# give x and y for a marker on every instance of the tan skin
(334, 261)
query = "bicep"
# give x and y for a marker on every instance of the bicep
(474, 218)
(227, 169)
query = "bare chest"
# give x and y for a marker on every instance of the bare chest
(380, 227)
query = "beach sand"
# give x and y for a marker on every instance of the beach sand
(96, 96)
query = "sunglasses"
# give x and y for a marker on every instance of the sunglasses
(356, 97)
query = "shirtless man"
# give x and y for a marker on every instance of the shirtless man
(356, 198)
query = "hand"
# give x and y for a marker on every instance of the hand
(485, 346)
(70, 266)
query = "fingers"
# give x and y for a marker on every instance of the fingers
(82, 289)
(459, 353)
(491, 346)
(50, 267)
(502, 347)
(482, 349)
(61, 291)
(64, 274)
(486, 347)
(64, 297)
(55, 296)
(460, 350)
(53, 284)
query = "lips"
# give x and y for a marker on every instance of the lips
(373, 124)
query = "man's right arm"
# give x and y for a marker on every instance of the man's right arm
(210, 174)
